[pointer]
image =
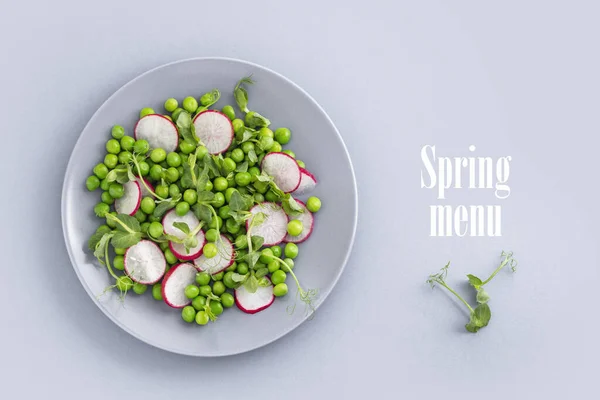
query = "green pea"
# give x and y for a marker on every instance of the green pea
(141, 146)
(232, 226)
(211, 235)
(199, 302)
(238, 125)
(144, 168)
(107, 198)
(92, 183)
(205, 290)
(266, 255)
(148, 205)
(153, 218)
(140, 216)
(169, 256)
(113, 146)
(237, 155)
(290, 153)
(254, 171)
(288, 265)
(171, 174)
(219, 199)
(158, 155)
(187, 147)
(174, 190)
(127, 143)
(283, 135)
(175, 114)
(258, 197)
(209, 186)
(139, 288)
(101, 209)
(190, 196)
(231, 268)
(291, 250)
(161, 190)
(265, 143)
(157, 291)
(227, 300)
(182, 208)
(116, 190)
(209, 250)
(280, 289)
(164, 246)
(110, 222)
(229, 165)
(168, 117)
(242, 268)
(218, 288)
(216, 308)
(241, 242)
(171, 105)
(276, 148)
(124, 283)
(202, 152)
(220, 184)
(173, 159)
(265, 132)
(313, 204)
(223, 212)
(117, 132)
(261, 187)
(243, 178)
(188, 314)
(229, 193)
(190, 104)
(278, 277)
(247, 146)
(229, 112)
(155, 229)
(202, 278)
(301, 164)
(111, 160)
(228, 280)
(146, 111)
(191, 291)
(294, 227)
(271, 196)
(218, 277)
(201, 318)
(118, 251)
(104, 184)
(243, 190)
(273, 266)
(119, 263)
(260, 157)
(123, 157)
(101, 171)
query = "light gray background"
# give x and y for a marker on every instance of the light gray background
(516, 78)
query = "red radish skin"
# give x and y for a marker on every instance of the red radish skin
(284, 169)
(218, 263)
(251, 303)
(145, 192)
(145, 262)
(171, 217)
(215, 130)
(307, 182)
(174, 283)
(308, 222)
(178, 249)
(130, 202)
(159, 131)
(274, 229)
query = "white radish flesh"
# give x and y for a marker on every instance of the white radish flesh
(132, 197)
(307, 182)
(171, 217)
(175, 282)
(307, 220)
(214, 129)
(178, 249)
(145, 262)
(274, 228)
(159, 131)
(221, 261)
(251, 303)
(284, 170)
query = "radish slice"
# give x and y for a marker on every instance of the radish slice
(221, 261)
(158, 131)
(284, 170)
(178, 249)
(171, 217)
(307, 182)
(214, 129)
(145, 262)
(173, 286)
(251, 303)
(132, 197)
(308, 222)
(145, 192)
(274, 228)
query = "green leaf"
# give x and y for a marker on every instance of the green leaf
(236, 202)
(123, 240)
(202, 179)
(205, 196)
(182, 226)
(186, 128)
(239, 278)
(94, 240)
(130, 174)
(261, 272)
(203, 213)
(211, 164)
(100, 249)
(482, 296)
(264, 177)
(257, 242)
(131, 222)
(111, 176)
(251, 284)
(210, 98)
(474, 281)
(243, 167)
(122, 174)
(252, 258)
(479, 318)
(258, 219)
(239, 216)
(264, 282)
(255, 120)
(187, 180)
(190, 242)
(252, 156)
(162, 208)
(241, 95)
(291, 206)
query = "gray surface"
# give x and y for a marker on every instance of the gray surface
(515, 78)
(321, 259)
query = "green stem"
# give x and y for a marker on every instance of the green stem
(293, 274)
(117, 220)
(456, 294)
(137, 167)
(502, 265)
(110, 271)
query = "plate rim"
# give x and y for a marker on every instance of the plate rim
(70, 166)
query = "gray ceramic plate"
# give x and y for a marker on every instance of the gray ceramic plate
(315, 140)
